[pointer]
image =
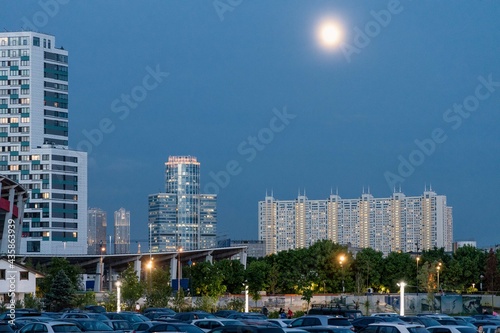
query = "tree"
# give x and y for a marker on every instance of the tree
(256, 275)
(397, 267)
(369, 265)
(492, 274)
(132, 288)
(464, 269)
(72, 272)
(233, 274)
(207, 280)
(61, 292)
(158, 290)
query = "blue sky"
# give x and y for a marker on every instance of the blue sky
(354, 113)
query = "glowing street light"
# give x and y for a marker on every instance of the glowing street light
(118, 296)
(341, 261)
(418, 259)
(438, 284)
(402, 296)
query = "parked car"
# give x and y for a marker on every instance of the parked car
(393, 327)
(133, 317)
(5, 327)
(327, 329)
(193, 315)
(208, 324)
(153, 313)
(247, 329)
(113, 315)
(319, 320)
(87, 315)
(420, 320)
(490, 328)
(119, 325)
(143, 326)
(281, 322)
(489, 322)
(336, 311)
(449, 321)
(451, 329)
(174, 327)
(247, 315)
(49, 327)
(224, 313)
(360, 323)
(91, 325)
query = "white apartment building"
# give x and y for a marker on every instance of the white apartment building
(34, 144)
(397, 223)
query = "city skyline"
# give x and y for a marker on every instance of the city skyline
(410, 99)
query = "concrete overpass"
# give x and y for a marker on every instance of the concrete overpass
(117, 263)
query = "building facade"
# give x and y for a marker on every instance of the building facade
(13, 198)
(182, 217)
(397, 223)
(96, 231)
(34, 144)
(122, 231)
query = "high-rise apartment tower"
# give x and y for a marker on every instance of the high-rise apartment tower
(34, 144)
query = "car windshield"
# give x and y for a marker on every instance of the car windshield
(65, 328)
(189, 329)
(391, 319)
(95, 326)
(339, 322)
(417, 330)
(466, 329)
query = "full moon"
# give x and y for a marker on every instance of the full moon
(329, 34)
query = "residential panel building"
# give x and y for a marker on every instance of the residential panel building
(397, 223)
(34, 147)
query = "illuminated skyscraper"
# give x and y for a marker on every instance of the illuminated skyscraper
(182, 217)
(96, 234)
(122, 231)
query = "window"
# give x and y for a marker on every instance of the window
(2, 274)
(24, 275)
(33, 246)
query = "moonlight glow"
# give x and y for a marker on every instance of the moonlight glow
(329, 34)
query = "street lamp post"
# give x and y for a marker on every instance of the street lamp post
(150, 267)
(118, 296)
(418, 259)
(341, 260)
(438, 284)
(402, 296)
(179, 269)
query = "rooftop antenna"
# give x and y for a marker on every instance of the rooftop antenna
(430, 187)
